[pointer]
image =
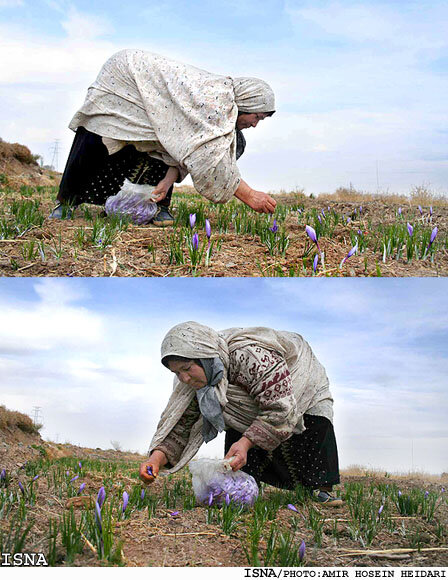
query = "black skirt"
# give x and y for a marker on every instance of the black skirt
(309, 459)
(91, 175)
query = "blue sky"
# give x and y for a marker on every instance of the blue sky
(361, 86)
(87, 352)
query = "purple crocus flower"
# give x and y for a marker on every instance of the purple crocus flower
(3, 475)
(292, 507)
(349, 220)
(67, 473)
(80, 465)
(430, 210)
(433, 235)
(125, 501)
(399, 211)
(299, 210)
(227, 499)
(174, 513)
(98, 519)
(323, 213)
(74, 478)
(410, 229)
(192, 220)
(312, 235)
(208, 229)
(149, 470)
(360, 209)
(426, 494)
(210, 498)
(36, 477)
(420, 209)
(142, 495)
(302, 550)
(319, 218)
(399, 493)
(315, 262)
(274, 226)
(81, 488)
(22, 489)
(195, 241)
(350, 254)
(380, 510)
(101, 497)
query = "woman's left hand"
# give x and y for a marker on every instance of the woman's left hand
(239, 453)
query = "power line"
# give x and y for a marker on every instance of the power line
(55, 151)
(37, 416)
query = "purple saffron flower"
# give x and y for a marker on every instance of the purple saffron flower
(149, 470)
(192, 220)
(430, 210)
(98, 519)
(22, 489)
(208, 229)
(410, 230)
(349, 220)
(3, 475)
(74, 478)
(399, 211)
(210, 498)
(36, 477)
(292, 507)
(174, 513)
(195, 241)
(420, 209)
(380, 510)
(315, 262)
(80, 465)
(81, 488)
(67, 473)
(433, 235)
(274, 227)
(350, 254)
(319, 218)
(302, 550)
(299, 210)
(227, 499)
(125, 501)
(360, 209)
(443, 490)
(399, 493)
(312, 235)
(142, 495)
(323, 213)
(101, 497)
(426, 494)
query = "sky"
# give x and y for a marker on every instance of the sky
(86, 352)
(361, 86)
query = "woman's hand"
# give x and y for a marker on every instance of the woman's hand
(239, 453)
(257, 200)
(149, 470)
(163, 186)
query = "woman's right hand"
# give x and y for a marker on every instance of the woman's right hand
(155, 461)
(261, 202)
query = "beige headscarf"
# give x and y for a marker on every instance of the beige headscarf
(196, 341)
(185, 115)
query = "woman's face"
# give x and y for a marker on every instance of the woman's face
(189, 372)
(246, 120)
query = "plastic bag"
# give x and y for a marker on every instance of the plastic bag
(133, 200)
(214, 483)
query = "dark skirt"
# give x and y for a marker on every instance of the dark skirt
(309, 459)
(91, 175)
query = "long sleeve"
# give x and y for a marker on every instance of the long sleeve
(175, 442)
(265, 376)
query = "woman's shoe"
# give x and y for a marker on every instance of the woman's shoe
(61, 212)
(326, 498)
(163, 218)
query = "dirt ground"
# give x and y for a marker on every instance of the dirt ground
(186, 539)
(141, 251)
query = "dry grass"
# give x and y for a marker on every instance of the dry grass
(14, 420)
(419, 195)
(16, 151)
(362, 471)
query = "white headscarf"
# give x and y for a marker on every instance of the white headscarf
(187, 113)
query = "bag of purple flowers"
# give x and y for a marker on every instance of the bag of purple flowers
(134, 201)
(214, 483)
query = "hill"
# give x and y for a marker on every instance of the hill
(18, 166)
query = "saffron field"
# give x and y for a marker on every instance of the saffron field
(87, 507)
(344, 234)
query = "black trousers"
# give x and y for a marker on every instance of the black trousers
(91, 175)
(309, 458)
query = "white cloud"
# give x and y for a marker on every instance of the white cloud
(82, 26)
